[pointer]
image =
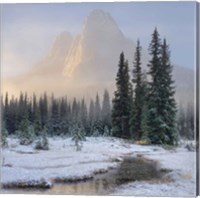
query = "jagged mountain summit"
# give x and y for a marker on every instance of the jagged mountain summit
(97, 48)
(86, 64)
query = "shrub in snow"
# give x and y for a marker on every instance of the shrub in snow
(42, 143)
(78, 136)
(96, 132)
(190, 147)
(106, 131)
(26, 132)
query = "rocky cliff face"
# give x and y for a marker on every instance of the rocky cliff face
(94, 54)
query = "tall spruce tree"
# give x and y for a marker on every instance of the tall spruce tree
(181, 122)
(122, 101)
(36, 116)
(75, 110)
(25, 131)
(3, 134)
(190, 122)
(154, 117)
(167, 90)
(84, 114)
(54, 122)
(136, 113)
(161, 105)
(5, 112)
(12, 116)
(43, 105)
(64, 116)
(106, 110)
(91, 116)
(97, 109)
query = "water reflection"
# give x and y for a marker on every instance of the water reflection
(131, 169)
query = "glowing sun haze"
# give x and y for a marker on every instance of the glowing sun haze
(45, 44)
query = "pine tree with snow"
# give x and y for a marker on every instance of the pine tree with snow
(64, 116)
(78, 136)
(4, 135)
(161, 104)
(122, 102)
(181, 122)
(106, 132)
(97, 109)
(75, 111)
(25, 132)
(138, 100)
(84, 115)
(6, 110)
(190, 122)
(43, 106)
(167, 92)
(54, 126)
(91, 115)
(98, 128)
(42, 143)
(144, 114)
(106, 110)
(11, 116)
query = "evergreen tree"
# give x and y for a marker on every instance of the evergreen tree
(91, 116)
(167, 92)
(106, 132)
(189, 122)
(11, 121)
(43, 105)
(42, 143)
(97, 109)
(75, 110)
(64, 116)
(34, 106)
(36, 116)
(106, 110)
(54, 122)
(78, 136)
(4, 134)
(6, 110)
(154, 118)
(84, 115)
(136, 113)
(181, 122)
(161, 105)
(144, 115)
(97, 128)
(25, 132)
(122, 101)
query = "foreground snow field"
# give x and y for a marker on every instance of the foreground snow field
(24, 165)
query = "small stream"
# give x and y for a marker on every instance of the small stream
(129, 170)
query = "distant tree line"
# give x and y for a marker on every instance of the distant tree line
(57, 115)
(185, 121)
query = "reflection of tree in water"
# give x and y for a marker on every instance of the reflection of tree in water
(97, 185)
(75, 187)
(105, 184)
(130, 169)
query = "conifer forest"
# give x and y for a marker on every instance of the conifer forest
(137, 140)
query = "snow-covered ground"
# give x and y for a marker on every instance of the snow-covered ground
(24, 165)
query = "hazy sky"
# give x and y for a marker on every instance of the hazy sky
(28, 30)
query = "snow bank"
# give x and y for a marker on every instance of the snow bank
(182, 182)
(24, 166)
